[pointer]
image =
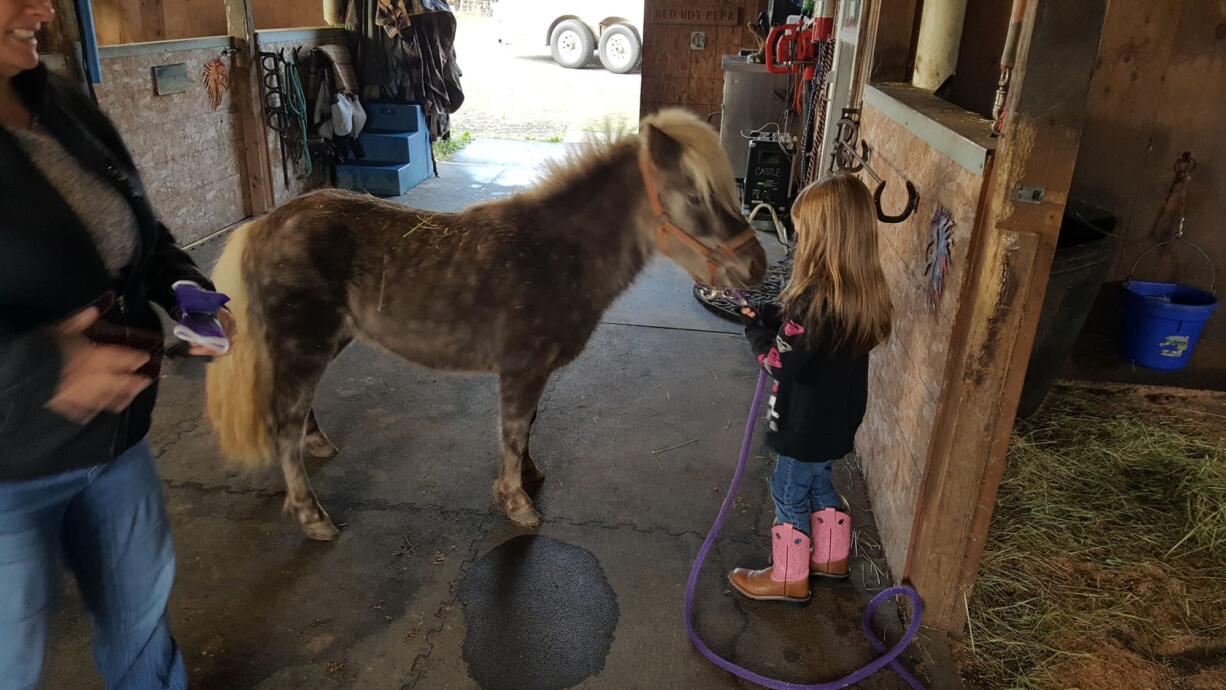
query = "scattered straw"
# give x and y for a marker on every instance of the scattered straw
(422, 222)
(679, 445)
(382, 283)
(1106, 561)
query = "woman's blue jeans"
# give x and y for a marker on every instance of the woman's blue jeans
(107, 524)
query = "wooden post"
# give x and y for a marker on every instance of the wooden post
(57, 43)
(1010, 262)
(894, 25)
(866, 48)
(59, 36)
(245, 82)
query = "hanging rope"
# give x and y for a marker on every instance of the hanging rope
(815, 113)
(296, 105)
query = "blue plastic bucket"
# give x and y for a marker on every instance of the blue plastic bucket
(1160, 322)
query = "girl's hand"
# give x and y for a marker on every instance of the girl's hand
(226, 319)
(749, 313)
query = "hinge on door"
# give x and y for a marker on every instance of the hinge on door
(1029, 194)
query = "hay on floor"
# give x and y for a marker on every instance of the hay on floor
(1105, 565)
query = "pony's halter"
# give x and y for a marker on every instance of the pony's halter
(667, 231)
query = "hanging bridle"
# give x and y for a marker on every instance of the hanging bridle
(667, 230)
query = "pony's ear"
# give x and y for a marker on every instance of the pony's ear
(664, 150)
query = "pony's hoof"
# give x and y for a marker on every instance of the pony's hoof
(321, 530)
(320, 448)
(525, 517)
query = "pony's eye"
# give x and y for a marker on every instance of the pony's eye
(694, 199)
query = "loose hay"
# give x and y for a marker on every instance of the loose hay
(1105, 565)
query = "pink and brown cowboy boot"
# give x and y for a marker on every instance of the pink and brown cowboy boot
(788, 578)
(831, 543)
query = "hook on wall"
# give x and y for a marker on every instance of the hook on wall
(848, 160)
(852, 164)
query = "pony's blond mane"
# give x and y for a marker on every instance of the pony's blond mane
(702, 158)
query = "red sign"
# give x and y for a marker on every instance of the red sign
(695, 16)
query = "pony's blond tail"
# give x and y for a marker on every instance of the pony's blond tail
(239, 386)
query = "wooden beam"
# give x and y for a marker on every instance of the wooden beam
(245, 85)
(152, 16)
(57, 43)
(866, 49)
(58, 36)
(1010, 259)
(896, 24)
(1126, 95)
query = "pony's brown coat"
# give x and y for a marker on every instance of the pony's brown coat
(513, 287)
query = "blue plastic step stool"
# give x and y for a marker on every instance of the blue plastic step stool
(394, 117)
(396, 151)
(388, 147)
(382, 179)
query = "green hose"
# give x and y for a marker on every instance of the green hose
(297, 106)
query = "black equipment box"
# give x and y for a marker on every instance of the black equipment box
(768, 175)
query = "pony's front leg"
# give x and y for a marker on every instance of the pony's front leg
(520, 392)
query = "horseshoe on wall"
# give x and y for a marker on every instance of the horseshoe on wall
(912, 203)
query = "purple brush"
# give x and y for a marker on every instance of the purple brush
(198, 324)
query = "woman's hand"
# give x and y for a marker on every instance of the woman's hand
(94, 378)
(226, 319)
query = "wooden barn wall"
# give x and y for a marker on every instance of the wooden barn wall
(676, 75)
(321, 177)
(188, 154)
(141, 21)
(1157, 91)
(906, 373)
(286, 14)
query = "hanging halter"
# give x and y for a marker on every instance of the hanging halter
(667, 231)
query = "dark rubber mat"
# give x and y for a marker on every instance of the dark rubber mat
(540, 615)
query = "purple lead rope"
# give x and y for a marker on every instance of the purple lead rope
(889, 658)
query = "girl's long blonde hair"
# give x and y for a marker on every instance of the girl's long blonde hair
(836, 271)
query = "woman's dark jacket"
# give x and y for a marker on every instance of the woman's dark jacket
(51, 270)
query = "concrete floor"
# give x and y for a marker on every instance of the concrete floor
(257, 606)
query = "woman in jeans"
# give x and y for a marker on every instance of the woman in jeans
(82, 256)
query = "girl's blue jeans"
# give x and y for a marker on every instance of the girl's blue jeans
(107, 523)
(800, 489)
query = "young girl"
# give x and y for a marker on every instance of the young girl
(836, 308)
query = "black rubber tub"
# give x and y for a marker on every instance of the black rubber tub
(1084, 253)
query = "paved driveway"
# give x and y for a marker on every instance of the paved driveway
(513, 94)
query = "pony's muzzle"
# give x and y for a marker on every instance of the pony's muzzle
(747, 265)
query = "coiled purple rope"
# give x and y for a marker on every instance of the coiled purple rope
(889, 658)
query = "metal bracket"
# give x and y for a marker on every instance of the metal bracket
(1028, 194)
